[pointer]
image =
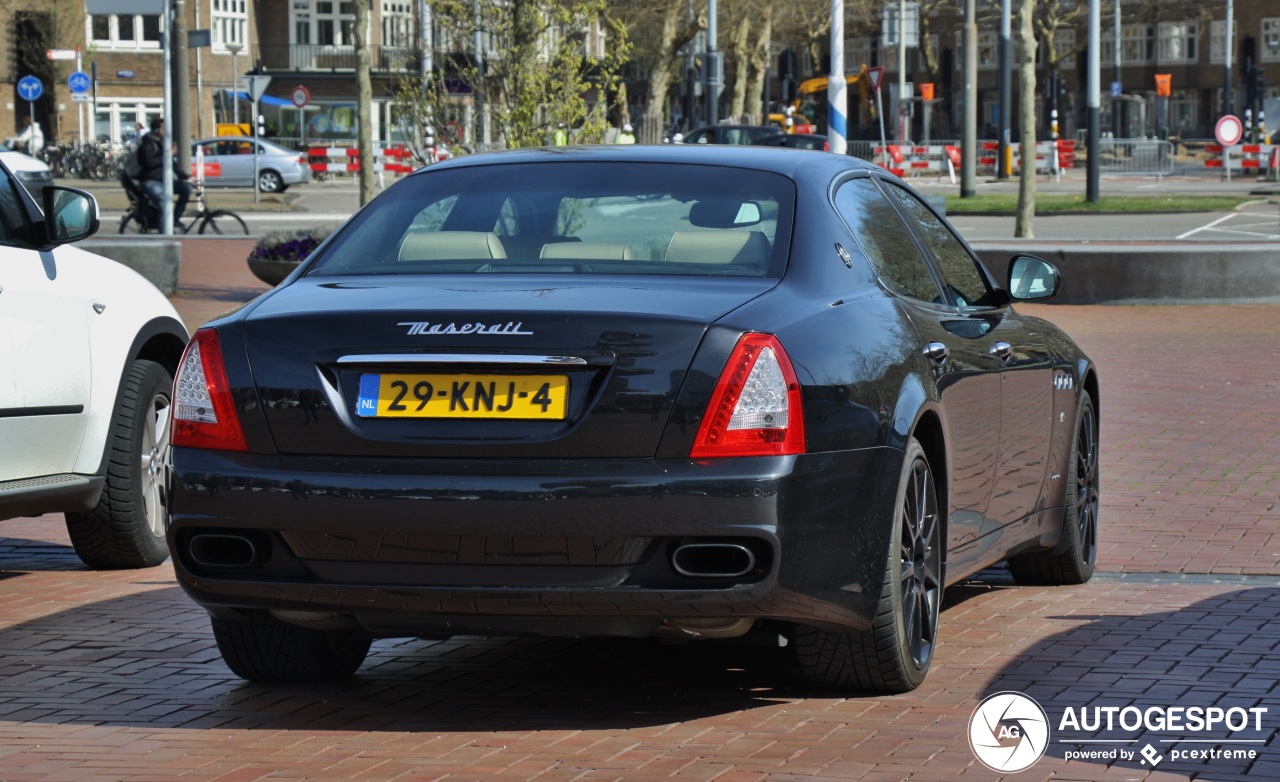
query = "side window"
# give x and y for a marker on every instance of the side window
(960, 274)
(14, 229)
(885, 241)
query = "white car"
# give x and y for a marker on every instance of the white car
(88, 349)
(35, 175)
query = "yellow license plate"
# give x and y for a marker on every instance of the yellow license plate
(388, 395)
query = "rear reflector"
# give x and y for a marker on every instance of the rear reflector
(204, 414)
(755, 407)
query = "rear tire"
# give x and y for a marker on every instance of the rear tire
(221, 221)
(262, 648)
(129, 224)
(894, 653)
(127, 528)
(1073, 561)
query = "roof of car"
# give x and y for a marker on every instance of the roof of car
(775, 159)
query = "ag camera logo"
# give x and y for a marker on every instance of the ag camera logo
(1008, 732)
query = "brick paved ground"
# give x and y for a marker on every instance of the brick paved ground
(114, 675)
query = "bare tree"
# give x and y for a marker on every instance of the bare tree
(1024, 226)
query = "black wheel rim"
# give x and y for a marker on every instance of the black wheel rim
(921, 564)
(1087, 486)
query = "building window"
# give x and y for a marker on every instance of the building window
(1218, 42)
(1271, 40)
(1139, 43)
(1184, 107)
(397, 23)
(988, 49)
(1178, 42)
(1064, 40)
(230, 23)
(138, 31)
(335, 23)
(857, 52)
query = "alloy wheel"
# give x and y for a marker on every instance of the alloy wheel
(921, 560)
(1087, 493)
(155, 453)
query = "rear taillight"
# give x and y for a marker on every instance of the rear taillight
(826, 146)
(755, 407)
(204, 415)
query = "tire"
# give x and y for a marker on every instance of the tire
(893, 654)
(127, 528)
(129, 224)
(261, 648)
(221, 221)
(270, 182)
(1074, 559)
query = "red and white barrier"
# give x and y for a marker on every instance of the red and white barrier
(1248, 158)
(347, 159)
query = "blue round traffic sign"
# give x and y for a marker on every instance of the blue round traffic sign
(30, 88)
(79, 82)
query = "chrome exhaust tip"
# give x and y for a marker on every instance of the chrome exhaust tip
(222, 550)
(713, 560)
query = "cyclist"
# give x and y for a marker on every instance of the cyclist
(150, 177)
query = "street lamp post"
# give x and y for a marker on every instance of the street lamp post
(234, 48)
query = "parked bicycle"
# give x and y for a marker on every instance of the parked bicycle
(219, 221)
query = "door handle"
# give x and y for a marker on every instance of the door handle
(1002, 350)
(937, 352)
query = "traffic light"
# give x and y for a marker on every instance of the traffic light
(1251, 80)
(1259, 85)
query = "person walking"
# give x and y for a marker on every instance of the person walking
(561, 136)
(626, 135)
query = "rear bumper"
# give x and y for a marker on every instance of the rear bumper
(550, 547)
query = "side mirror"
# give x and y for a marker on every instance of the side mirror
(1032, 278)
(69, 214)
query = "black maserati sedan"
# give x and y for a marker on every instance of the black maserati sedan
(630, 391)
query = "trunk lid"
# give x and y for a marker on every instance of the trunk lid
(502, 366)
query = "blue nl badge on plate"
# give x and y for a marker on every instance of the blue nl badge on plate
(367, 401)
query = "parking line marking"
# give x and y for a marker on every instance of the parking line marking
(1222, 219)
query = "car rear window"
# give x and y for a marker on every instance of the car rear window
(572, 218)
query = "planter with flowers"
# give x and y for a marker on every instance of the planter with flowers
(278, 253)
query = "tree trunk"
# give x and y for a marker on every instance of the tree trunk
(760, 68)
(1024, 227)
(655, 109)
(742, 60)
(364, 101)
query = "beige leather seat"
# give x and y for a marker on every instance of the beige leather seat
(451, 245)
(749, 248)
(588, 250)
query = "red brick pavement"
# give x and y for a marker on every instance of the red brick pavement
(113, 675)
(1190, 433)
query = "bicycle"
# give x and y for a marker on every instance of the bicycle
(218, 221)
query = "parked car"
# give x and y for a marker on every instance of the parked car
(796, 141)
(32, 173)
(631, 391)
(88, 350)
(228, 162)
(728, 134)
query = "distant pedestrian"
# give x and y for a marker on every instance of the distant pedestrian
(562, 136)
(626, 135)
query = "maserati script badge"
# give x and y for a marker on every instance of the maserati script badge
(426, 327)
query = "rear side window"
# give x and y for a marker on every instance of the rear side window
(960, 274)
(885, 241)
(572, 218)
